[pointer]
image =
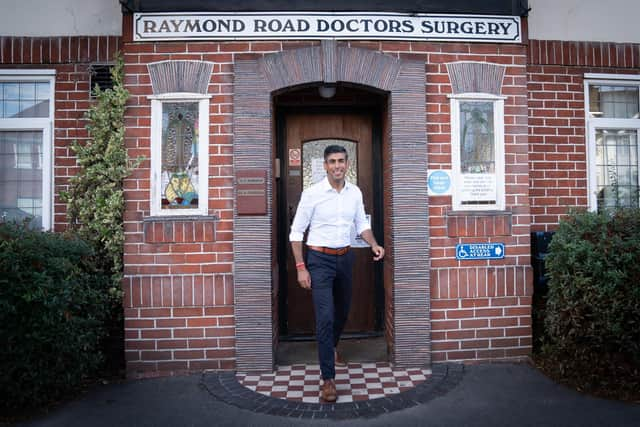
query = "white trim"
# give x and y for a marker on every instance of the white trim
(203, 154)
(592, 185)
(476, 62)
(477, 96)
(179, 96)
(601, 76)
(47, 178)
(181, 60)
(498, 121)
(26, 123)
(24, 74)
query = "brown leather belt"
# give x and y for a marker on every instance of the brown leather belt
(330, 251)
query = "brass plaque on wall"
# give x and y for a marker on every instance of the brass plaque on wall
(251, 190)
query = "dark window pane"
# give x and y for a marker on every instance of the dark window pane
(21, 176)
(616, 168)
(477, 142)
(616, 102)
(24, 99)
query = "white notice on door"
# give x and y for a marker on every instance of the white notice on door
(317, 170)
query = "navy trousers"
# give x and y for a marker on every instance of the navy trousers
(331, 290)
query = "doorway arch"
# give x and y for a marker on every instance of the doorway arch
(406, 268)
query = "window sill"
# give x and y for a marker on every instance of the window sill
(180, 229)
(164, 218)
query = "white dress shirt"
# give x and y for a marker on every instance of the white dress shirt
(329, 215)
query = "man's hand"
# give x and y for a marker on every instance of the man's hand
(304, 278)
(378, 252)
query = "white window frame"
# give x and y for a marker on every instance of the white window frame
(38, 124)
(156, 153)
(594, 123)
(498, 121)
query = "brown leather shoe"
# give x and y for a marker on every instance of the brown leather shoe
(339, 361)
(328, 391)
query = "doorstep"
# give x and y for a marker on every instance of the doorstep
(364, 390)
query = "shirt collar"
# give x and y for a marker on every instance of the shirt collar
(327, 187)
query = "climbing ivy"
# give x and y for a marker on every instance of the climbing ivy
(95, 200)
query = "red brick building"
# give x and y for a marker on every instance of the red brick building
(466, 138)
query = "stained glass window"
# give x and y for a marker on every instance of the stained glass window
(180, 174)
(313, 160)
(477, 144)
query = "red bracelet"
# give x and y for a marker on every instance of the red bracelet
(299, 264)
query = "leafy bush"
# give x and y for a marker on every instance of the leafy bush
(95, 200)
(593, 305)
(53, 305)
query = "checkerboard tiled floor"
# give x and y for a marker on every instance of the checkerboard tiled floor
(355, 382)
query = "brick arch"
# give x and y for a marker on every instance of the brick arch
(406, 222)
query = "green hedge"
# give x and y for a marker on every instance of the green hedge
(592, 321)
(53, 307)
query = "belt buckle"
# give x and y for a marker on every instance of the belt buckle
(342, 251)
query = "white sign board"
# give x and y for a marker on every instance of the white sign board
(478, 187)
(317, 170)
(326, 25)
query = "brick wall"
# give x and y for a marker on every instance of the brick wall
(179, 274)
(179, 294)
(71, 58)
(480, 309)
(179, 312)
(557, 144)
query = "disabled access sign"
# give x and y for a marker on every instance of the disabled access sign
(473, 251)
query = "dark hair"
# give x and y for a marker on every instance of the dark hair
(331, 149)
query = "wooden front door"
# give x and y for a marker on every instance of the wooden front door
(305, 137)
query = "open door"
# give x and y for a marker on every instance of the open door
(305, 137)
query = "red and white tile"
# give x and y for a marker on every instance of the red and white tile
(354, 382)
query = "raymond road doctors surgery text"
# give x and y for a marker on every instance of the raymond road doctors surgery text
(300, 26)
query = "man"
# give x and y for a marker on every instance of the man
(328, 209)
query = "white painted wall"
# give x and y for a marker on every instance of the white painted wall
(40, 18)
(585, 20)
(579, 20)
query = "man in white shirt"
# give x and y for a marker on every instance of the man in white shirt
(328, 209)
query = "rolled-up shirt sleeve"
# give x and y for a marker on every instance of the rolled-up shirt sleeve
(360, 220)
(302, 218)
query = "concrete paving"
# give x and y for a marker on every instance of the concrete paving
(498, 394)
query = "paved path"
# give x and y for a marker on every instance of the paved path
(487, 395)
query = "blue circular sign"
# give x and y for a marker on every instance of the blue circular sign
(439, 182)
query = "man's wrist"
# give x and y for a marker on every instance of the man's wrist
(300, 266)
